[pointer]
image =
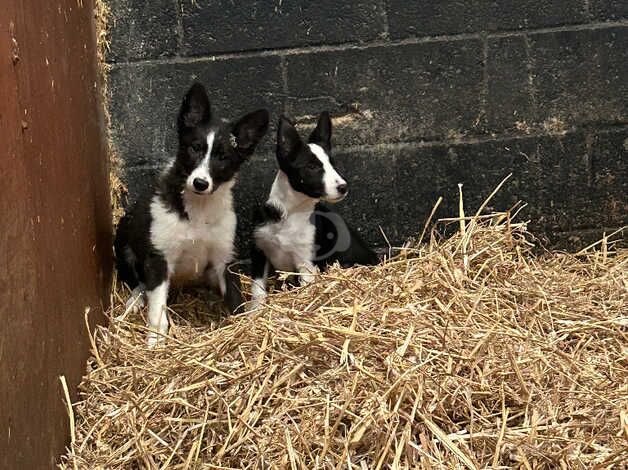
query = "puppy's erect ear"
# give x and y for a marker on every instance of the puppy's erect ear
(322, 134)
(248, 131)
(195, 109)
(288, 140)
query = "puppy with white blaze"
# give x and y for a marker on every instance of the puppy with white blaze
(184, 229)
(294, 231)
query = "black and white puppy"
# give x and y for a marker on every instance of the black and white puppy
(184, 230)
(294, 231)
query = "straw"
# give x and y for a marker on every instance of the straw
(117, 189)
(516, 361)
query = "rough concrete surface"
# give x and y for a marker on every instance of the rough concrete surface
(425, 95)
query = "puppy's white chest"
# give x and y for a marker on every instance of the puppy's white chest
(193, 245)
(289, 242)
(196, 253)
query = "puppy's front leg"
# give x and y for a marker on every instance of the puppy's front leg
(157, 284)
(233, 292)
(260, 267)
(228, 284)
(307, 272)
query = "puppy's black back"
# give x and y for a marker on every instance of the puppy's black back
(132, 243)
(337, 241)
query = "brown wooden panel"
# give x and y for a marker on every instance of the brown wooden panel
(55, 229)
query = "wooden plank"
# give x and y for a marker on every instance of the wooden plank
(55, 230)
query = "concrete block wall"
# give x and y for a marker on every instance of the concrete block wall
(426, 94)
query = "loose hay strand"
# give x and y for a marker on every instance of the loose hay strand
(68, 402)
(519, 360)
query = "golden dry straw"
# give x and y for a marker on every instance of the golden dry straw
(470, 352)
(117, 189)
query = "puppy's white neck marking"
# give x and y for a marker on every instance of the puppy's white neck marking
(200, 206)
(288, 243)
(290, 201)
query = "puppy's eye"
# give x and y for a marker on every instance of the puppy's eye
(222, 157)
(312, 166)
(197, 147)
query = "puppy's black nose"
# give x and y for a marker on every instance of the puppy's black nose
(342, 188)
(200, 184)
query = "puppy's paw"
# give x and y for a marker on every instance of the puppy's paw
(307, 274)
(153, 339)
(254, 304)
(258, 295)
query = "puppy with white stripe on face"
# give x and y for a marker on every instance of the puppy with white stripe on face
(294, 231)
(184, 230)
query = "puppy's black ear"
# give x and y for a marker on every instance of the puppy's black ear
(195, 109)
(322, 134)
(249, 130)
(288, 140)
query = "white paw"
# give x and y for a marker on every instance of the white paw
(307, 274)
(258, 295)
(254, 304)
(153, 339)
